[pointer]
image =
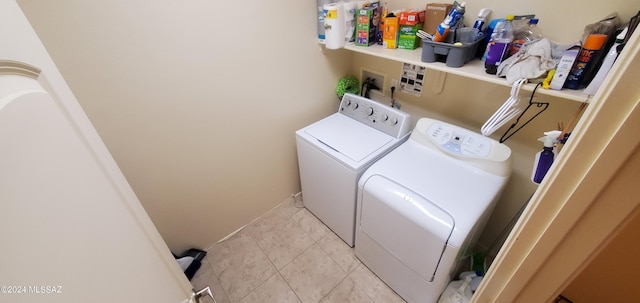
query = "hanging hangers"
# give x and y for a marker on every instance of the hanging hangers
(543, 105)
(507, 111)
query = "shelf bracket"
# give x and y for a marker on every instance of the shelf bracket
(437, 81)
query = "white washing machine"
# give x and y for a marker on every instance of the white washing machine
(335, 151)
(421, 207)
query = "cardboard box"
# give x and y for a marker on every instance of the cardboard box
(367, 23)
(411, 17)
(408, 38)
(390, 32)
(564, 67)
(434, 15)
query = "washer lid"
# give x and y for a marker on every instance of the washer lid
(348, 137)
(407, 225)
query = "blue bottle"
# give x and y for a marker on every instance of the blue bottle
(482, 17)
(451, 20)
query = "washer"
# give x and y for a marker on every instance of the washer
(422, 206)
(334, 152)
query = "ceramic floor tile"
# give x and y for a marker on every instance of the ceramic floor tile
(377, 290)
(284, 242)
(347, 292)
(205, 277)
(313, 274)
(222, 254)
(292, 207)
(339, 251)
(312, 225)
(244, 268)
(273, 290)
(241, 266)
(266, 223)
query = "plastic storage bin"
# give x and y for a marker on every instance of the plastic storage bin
(452, 55)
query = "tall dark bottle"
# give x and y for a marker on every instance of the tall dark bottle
(588, 54)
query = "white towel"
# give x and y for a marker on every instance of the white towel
(532, 61)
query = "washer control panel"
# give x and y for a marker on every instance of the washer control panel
(463, 145)
(384, 118)
(459, 141)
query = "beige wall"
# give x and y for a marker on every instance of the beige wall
(612, 275)
(160, 82)
(197, 101)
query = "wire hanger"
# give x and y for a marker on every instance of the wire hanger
(543, 105)
(511, 108)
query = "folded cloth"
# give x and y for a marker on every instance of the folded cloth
(532, 61)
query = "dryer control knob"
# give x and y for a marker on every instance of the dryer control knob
(394, 121)
(370, 111)
(385, 117)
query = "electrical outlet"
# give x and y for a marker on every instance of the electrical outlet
(378, 77)
(394, 83)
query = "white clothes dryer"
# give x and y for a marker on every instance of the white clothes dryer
(334, 152)
(422, 206)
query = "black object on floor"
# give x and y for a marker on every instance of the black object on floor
(192, 259)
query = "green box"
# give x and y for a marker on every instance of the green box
(367, 23)
(408, 38)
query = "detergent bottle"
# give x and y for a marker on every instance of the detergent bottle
(606, 64)
(544, 158)
(482, 17)
(499, 47)
(585, 60)
(451, 20)
(530, 34)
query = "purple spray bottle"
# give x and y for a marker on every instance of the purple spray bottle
(544, 158)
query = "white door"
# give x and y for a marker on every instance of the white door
(72, 228)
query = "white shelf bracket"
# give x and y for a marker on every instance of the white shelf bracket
(437, 81)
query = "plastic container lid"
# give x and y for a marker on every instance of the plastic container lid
(533, 21)
(595, 41)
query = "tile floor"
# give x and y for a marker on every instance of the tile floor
(288, 255)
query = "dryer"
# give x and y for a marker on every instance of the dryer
(422, 206)
(334, 152)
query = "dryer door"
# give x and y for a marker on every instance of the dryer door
(408, 226)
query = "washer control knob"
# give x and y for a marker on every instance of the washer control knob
(348, 102)
(370, 111)
(385, 117)
(355, 106)
(394, 121)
